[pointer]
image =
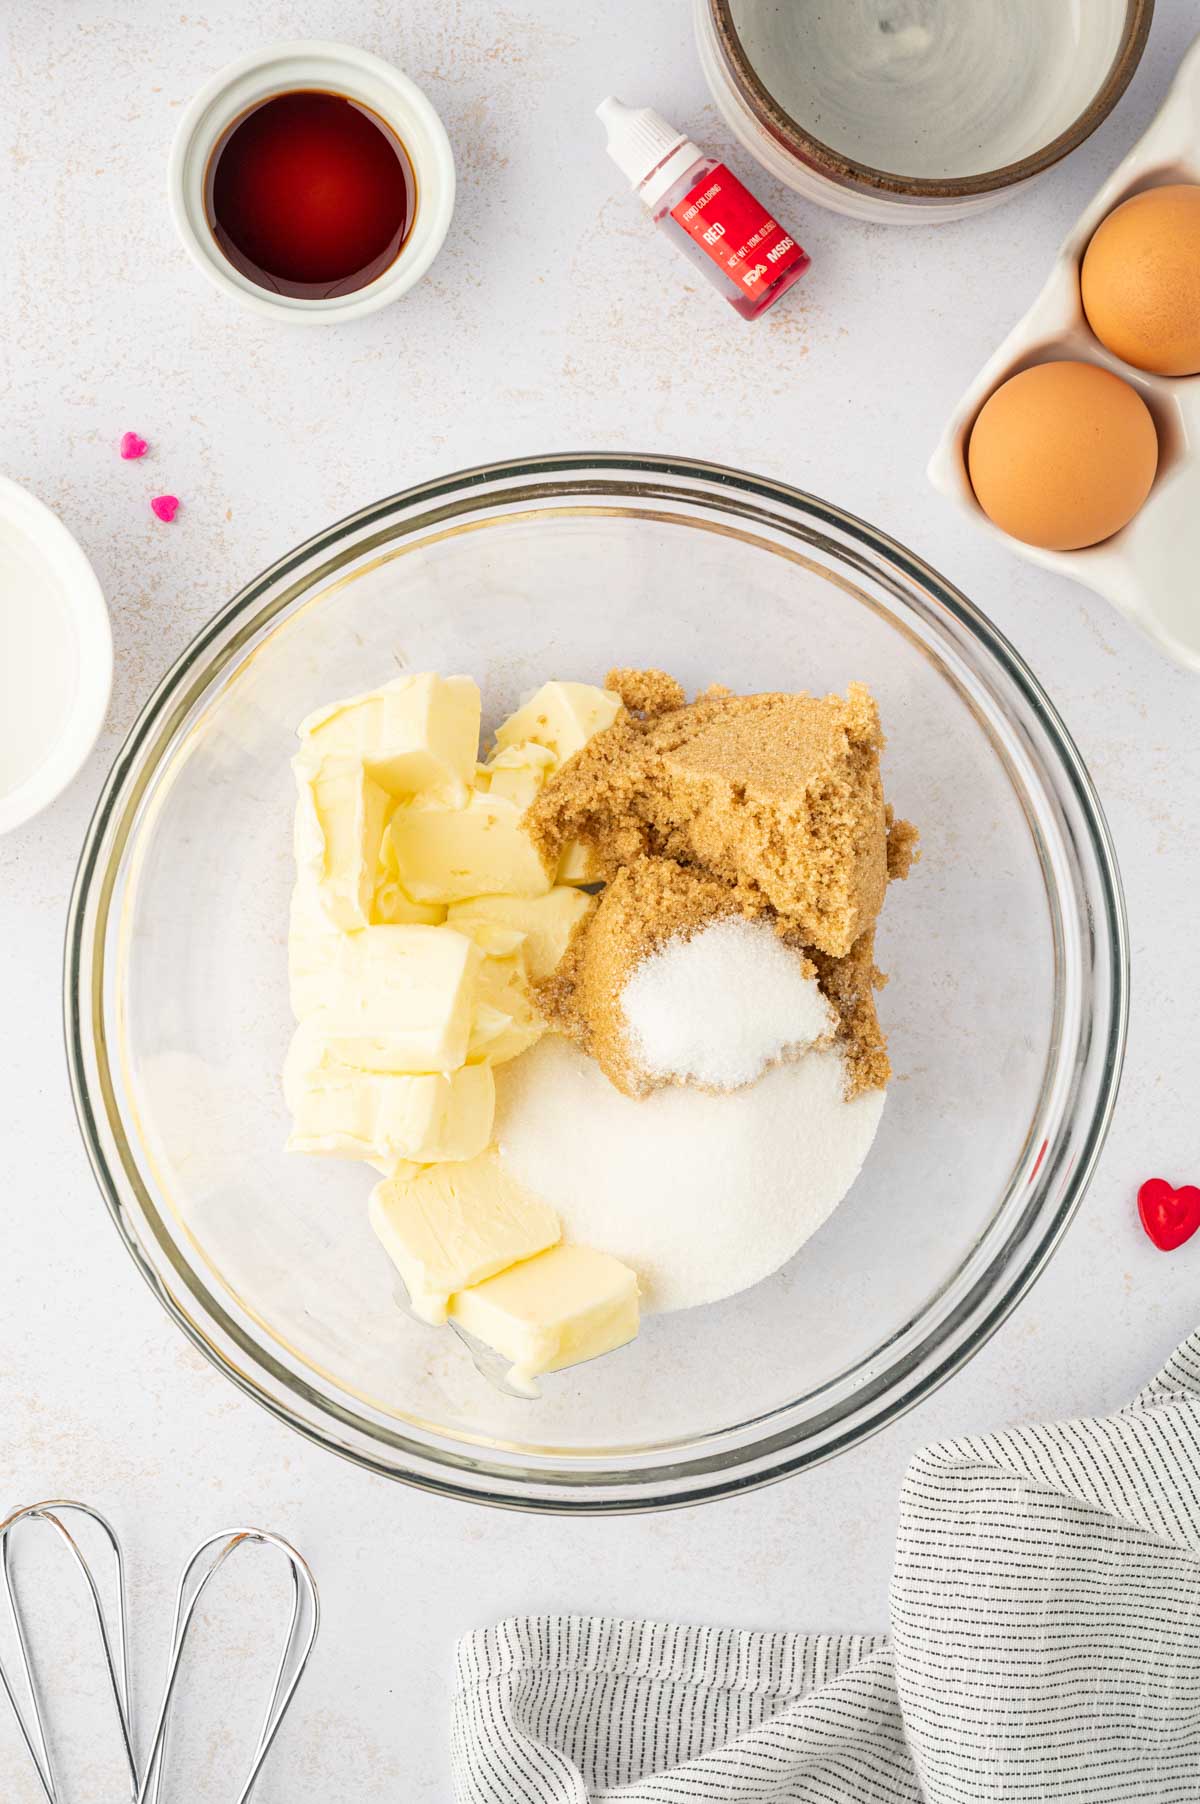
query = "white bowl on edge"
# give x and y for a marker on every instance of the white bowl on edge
(41, 566)
(1150, 570)
(334, 68)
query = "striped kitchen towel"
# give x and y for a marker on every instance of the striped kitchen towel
(1044, 1648)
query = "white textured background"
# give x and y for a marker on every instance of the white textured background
(554, 320)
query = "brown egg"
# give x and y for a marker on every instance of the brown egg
(1140, 281)
(1062, 455)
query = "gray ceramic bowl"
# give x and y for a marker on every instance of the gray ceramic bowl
(914, 113)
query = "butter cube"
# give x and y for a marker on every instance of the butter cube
(392, 906)
(417, 734)
(482, 849)
(578, 863)
(562, 717)
(392, 902)
(402, 998)
(506, 1022)
(314, 946)
(340, 817)
(396, 1168)
(491, 938)
(545, 923)
(450, 1226)
(343, 1112)
(551, 1311)
(517, 773)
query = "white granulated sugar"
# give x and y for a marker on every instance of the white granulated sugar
(702, 1195)
(721, 1006)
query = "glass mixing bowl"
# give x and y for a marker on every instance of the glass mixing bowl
(1006, 1005)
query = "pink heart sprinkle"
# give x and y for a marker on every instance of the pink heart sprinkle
(165, 506)
(132, 445)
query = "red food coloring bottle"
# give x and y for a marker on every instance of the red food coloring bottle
(700, 204)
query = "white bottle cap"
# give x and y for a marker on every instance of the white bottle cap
(651, 153)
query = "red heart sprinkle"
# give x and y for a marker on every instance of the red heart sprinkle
(165, 506)
(1169, 1216)
(133, 446)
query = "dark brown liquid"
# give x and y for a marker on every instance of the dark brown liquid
(310, 194)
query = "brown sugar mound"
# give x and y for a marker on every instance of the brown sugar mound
(778, 795)
(647, 692)
(647, 903)
(769, 806)
(850, 984)
(903, 851)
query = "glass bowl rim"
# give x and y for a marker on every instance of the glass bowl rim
(590, 1489)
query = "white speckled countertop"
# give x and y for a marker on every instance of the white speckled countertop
(554, 320)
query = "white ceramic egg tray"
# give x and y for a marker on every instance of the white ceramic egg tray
(1150, 570)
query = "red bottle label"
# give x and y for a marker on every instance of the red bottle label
(737, 232)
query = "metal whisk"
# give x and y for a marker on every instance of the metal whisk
(29, 1709)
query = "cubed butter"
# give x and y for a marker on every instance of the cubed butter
(517, 773)
(578, 863)
(392, 901)
(557, 1309)
(402, 998)
(562, 717)
(416, 734)
(314, 947)
(393, 906)
(449, 1226)
(489, 936)
(446, 854)
(505, 1022)
(340, 817)
(347, 1113)
(396, 1168)
(545, 923)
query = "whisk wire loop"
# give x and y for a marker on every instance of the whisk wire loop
(26, 1695)
(30, 1713)
(293, 1658)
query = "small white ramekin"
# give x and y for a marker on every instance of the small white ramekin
(51, 571)
(337, 68)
